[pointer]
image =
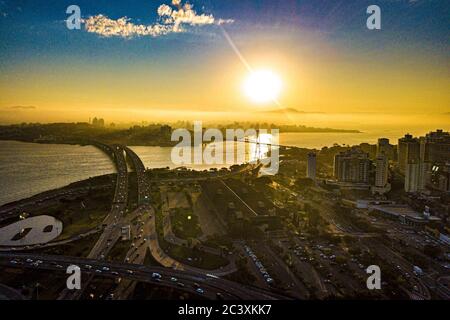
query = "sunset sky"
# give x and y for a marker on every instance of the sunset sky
(176, 61)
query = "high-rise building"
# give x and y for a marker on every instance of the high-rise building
(382, 170)
(352, 166)
(384, 147)
(408, 151)
(311, 166)
(435, 147)
(416, 176)
(412, 176)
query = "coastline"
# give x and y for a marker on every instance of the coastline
(11, 209)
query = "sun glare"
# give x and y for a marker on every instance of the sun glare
(262, 86)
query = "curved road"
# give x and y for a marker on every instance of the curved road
(190, 280)
(112, 232)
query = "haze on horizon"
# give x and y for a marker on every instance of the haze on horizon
(335, 70)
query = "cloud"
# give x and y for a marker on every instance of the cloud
(171, 19)
(122, 27)
(22, 107)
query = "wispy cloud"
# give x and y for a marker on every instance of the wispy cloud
(171, 19)
(21, 107)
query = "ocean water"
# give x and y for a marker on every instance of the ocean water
(29, 168)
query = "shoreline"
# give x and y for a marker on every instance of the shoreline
(7, 208)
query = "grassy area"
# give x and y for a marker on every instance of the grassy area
(149, 260)
(80, 248)
(81, 206)
(119, 251)
(187, 255)
(185, 224)
(75, 223)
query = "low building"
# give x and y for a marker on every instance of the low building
(404, 214)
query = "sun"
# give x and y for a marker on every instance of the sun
(262, 86)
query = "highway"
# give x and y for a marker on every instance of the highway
(138, 250)
(190, 280)
(147, 230)
(142, 183)
(111, 232)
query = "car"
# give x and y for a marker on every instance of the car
(13, 262)
(89, 267)
(29, 260)
(200, 290)
(156, 275)
(173, 279)
(130, 271)
(180, 284)
(219, 296)
(105, 269)
(98, 271)
(115, 273)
